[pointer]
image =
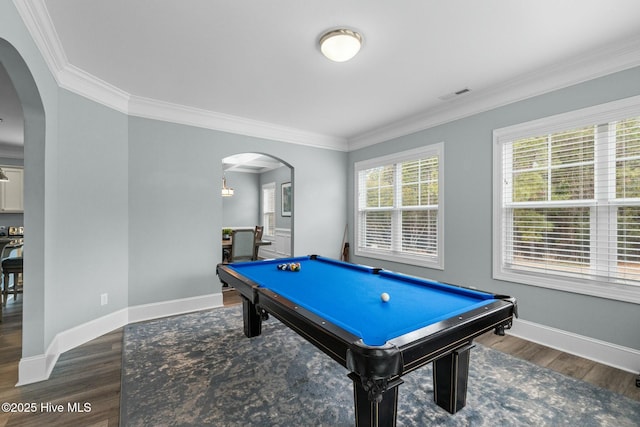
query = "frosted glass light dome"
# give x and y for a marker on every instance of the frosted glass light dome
(340, 45)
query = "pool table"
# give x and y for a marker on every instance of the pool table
(337, 306)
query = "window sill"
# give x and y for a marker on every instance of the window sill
(402, 259)
(625, 293)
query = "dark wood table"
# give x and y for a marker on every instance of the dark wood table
(226, 245)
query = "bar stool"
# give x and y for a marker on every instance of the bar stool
(11, 266)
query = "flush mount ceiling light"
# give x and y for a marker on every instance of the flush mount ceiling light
(340, 45)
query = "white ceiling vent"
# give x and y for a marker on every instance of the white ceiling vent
(454, 94)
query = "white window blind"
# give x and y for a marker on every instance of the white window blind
(398, 212)
(568, 206)
(269, 209)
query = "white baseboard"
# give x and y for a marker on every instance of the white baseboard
(35, 368)
(38, 368)
(140, 313)
(609, 354)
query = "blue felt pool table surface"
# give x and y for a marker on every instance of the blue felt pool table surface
(348, 295)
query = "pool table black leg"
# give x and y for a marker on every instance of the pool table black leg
(375, 413)
(450, 375)
(251, 318)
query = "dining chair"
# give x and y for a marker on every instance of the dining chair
(243, 243)
(258, 232)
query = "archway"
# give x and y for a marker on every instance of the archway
(34, 199)
(262, 195)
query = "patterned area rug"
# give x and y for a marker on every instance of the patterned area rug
(200, 370)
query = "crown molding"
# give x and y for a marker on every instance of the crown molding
(579, 69)
(597, 63)
(36, 18)
(87, 85)
(169, 112)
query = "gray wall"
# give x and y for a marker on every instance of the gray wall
(37, 92)
(90, 235)
(243, 209)
(174, 178)
(468, 211)
(279, 176)
(104, 193)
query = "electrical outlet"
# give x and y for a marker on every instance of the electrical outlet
(104, 299)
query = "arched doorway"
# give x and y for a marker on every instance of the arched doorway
(34, 199)
(262, 195)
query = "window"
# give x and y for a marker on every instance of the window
(567, 201)
(269, 209)
(398, 210)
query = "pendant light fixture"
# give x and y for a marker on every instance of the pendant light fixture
(340, 45)
(226, 191)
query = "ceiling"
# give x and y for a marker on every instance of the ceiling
(254, 67)
(250, 163)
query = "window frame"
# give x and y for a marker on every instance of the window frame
(596, 115)
(268, 187)
(435, 262)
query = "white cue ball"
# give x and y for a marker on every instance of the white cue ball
(384, 297)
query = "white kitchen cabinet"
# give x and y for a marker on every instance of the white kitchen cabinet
(12, 192)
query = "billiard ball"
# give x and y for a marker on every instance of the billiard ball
(294, 266)
(384, 297)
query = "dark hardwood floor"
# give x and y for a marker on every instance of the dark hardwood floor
(604, 376)
(91, 374)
